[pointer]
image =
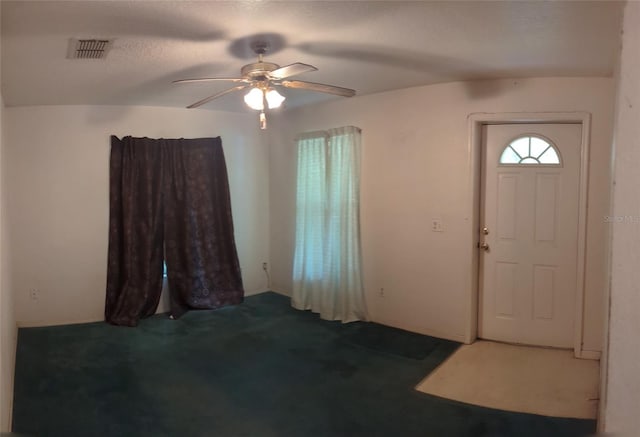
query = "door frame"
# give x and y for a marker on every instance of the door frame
(476, 122)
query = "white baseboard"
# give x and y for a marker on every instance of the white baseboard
(43, 323)
(281, 292)
(419, 330)
(254, 292)
(589, 355)
(11, 384)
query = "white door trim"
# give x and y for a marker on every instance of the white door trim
(476, 121)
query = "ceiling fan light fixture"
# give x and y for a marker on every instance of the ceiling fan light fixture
(255, 99)
(274, 99)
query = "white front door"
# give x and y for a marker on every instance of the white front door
(529, 233)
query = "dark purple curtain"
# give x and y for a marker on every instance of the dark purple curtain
(169, 197)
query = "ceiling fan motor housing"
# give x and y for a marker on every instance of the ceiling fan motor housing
(258, 70)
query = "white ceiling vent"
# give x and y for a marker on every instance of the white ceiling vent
(88, 48)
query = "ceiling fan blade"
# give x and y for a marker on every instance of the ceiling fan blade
(320, 87)
(215, 96)
(291, 70)
(210, 79)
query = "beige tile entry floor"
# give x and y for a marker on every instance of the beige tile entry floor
(549, 382)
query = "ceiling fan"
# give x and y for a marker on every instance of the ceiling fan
(261, 78)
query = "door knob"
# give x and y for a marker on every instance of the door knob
(484, 246)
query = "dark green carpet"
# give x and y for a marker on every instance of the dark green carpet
(258, 369)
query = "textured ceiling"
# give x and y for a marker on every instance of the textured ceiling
(365, 45)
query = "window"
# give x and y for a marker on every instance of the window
(529, 150)
(311, 195)
(326, 269)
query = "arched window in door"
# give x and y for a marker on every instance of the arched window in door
(530, 149)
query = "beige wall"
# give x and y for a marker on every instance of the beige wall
(58, 198)
(8, 334)
(415, 168)
(622, 393)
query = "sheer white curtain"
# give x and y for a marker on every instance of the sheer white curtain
(327, 276)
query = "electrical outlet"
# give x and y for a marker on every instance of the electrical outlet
(264, 266)
(382, 292)
(436, 225)
(35, 293)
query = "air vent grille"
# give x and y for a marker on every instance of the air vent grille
(91, 48)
